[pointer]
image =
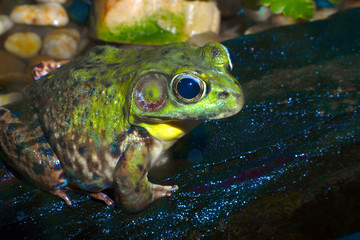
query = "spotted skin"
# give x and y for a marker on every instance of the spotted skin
(30, 154)
(105, 118)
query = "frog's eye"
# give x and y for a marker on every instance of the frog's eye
(151, 92)
(188, 88)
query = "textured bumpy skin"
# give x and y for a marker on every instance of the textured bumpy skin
(105, 118)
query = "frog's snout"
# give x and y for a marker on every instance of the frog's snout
(235, 97)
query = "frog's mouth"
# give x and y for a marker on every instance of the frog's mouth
(172, 130)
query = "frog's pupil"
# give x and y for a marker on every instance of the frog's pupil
(188, 88)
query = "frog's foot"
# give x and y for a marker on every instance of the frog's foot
(97, 195)
(159, 191)
(102, 197)
(62, 194)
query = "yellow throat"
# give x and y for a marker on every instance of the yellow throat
(163, 131)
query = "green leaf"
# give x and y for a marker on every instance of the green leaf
(292, 8)
(334, 1)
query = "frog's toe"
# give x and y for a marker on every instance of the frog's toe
(160, 191)
(103, 197)
(62, 194)
(97, 195)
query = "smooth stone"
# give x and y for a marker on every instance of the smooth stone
(281, 20)
(140, 23)
(23, 44)
(257, 28)
(5, 23)
(324, 13)
(42, 68)
(153, 21)
(61, 43)
(347, 4)
(78, 11)
(52, 14)
(117, 12)
(203, 38)
(34, 61)
(201, 16)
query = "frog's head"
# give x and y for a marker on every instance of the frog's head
(184, 85)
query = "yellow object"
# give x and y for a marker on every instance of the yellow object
(9, 98)
(23, 44)
(163, 131)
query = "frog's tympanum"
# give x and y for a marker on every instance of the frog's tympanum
(105, 118)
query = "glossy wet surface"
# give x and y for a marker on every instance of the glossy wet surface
(288, 162)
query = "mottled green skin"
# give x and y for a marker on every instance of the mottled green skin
(91, 113)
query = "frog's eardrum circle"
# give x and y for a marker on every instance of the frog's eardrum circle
(151, 92)
(188, 88)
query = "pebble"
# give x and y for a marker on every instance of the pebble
(281, 20)
(346, 4)
(203, 38)
(324, 13)
(44, 67)
(111, 16)
(23, 44)
(61, 43)
(5, 23)
(257, 28)
(78, 11)
(201, 16)
(113, 13)
(41, 14)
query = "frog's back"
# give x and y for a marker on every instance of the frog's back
(77, 96)
(74, 104)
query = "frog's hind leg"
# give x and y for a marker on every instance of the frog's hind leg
(28, 152)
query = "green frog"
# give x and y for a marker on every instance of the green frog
(105, 118)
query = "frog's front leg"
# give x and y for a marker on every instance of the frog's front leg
(133, 191)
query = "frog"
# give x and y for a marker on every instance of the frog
(106, 117)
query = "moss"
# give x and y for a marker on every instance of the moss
(147, 30)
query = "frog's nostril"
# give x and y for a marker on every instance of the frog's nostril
(223, 94)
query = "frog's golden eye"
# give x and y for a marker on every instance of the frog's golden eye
(188, 88)
(151, 92)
